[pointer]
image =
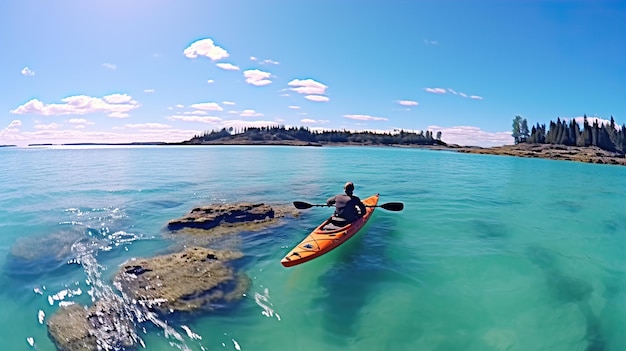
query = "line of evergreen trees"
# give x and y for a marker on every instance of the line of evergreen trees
(605, 136)
(280, 133)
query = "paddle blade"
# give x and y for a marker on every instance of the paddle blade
(302, 205)
(393, 206)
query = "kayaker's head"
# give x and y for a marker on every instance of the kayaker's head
(349, 188)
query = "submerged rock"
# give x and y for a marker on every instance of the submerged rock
(194, 278)
(100, 327)
(211, 216)
(34, 255)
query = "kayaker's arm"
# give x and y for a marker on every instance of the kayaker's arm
(331, 201)
(361, 206)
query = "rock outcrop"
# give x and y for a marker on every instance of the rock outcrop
(208, 217)
(590, 154)
(194, 278)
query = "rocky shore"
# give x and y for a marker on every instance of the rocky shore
(590, 154)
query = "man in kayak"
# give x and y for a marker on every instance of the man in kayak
(348, 208)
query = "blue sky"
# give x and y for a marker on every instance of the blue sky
(122, 71)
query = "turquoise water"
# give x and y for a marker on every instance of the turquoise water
(490, 253)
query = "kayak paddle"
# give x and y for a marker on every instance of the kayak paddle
(390, 206)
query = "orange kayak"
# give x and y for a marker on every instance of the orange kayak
(326, 237)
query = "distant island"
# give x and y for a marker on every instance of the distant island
(301, 136)
(8, 145)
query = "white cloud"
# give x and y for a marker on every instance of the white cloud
(117, 98)
(436, 90)
(308, 87)
(110, 66)
(430, 42)
(472, 136)
(148, 91)
(207, 106)
(268, 61)
(47, 126)
(210, 81)
(256, 77)
(27, 72)
(365, 118)
(271, 62)
(147, 126)
(196, 113)
(14, 124)
(317, 98)
(407, 102)
(80, 121)
(180, 106)
(313, 121)
(228, 103)
(294, 107)
(250, 113)
(115, 105)
(207, 48)
(201, 119)
(119, 115)
(227, 66)
(11, 134)
(452, 91)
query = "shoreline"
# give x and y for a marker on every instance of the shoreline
(589, 154)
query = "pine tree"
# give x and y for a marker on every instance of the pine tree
(558, 132)
(542, 133)
(587, 140)
(594, 133)
(612, 131)
(565, 133)
(533, 136)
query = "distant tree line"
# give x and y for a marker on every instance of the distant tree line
(280, 133)
(606, 136)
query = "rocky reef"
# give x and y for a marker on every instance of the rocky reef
(208, 217)
(185, 281)
(193, 278)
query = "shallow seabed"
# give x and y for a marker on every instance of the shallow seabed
(490, 253)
